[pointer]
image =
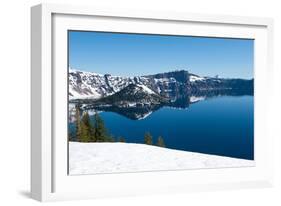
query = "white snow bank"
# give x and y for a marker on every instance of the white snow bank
(193, 78)
(93, 158)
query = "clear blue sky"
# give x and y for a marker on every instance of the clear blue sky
(136, 54)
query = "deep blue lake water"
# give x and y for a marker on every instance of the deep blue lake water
(221, 126)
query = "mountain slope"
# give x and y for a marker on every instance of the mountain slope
(88, 85)
(91, 85)
(133, 94)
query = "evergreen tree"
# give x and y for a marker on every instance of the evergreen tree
(84, 133)
(71, 136)
(100, 132)
(86, 128)
(92, 134)
(78, 122)
(109, 138)
(160, 142)
(122, 139)
(148, 138)
(86, 119)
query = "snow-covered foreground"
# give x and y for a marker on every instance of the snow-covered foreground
(93, 158)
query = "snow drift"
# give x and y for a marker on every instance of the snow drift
(96, 158)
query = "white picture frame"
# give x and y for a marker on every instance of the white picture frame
(49, 179)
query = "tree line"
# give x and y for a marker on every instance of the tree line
(90, 132)
(96, 131)
(148, 139)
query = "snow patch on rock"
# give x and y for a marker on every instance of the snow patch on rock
(146, 89)
(193, 78)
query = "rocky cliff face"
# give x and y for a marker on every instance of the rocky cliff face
(87, 85)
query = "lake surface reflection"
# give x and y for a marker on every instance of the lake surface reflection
(221, 125)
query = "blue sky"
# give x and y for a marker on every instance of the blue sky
(137, 54)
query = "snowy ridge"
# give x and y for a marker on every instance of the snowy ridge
(95, 158)
(145, 89)
(194, 78)
(90, 85)
(94, 86)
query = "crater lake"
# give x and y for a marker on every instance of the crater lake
(220, 125)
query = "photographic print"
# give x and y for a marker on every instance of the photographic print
(149, 102)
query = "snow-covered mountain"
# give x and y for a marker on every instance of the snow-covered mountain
(137, 97)
(89, 85)
(94, 86)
